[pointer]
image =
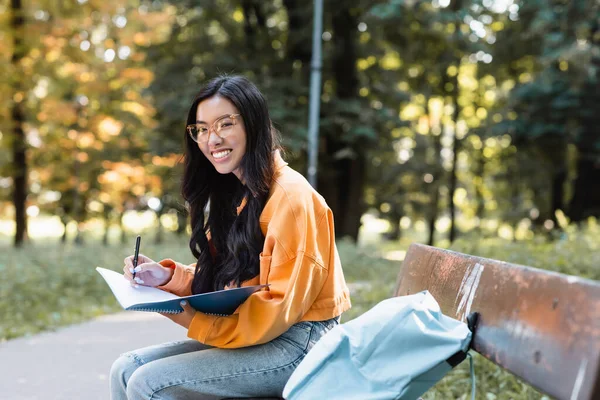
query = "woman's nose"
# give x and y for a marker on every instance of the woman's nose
(213, 138)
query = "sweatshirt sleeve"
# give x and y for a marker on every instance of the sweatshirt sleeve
(294, 286)
(181, 281)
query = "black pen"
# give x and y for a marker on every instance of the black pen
(136, 254)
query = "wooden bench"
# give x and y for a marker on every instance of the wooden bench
(541, 326)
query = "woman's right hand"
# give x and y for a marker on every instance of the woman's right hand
(147, 272)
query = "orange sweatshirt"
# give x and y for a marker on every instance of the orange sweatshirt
(299, 261)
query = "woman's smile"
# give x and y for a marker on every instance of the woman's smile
(221, 155)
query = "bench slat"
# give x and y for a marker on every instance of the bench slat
(542, 326)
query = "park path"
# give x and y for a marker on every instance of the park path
(73, 363)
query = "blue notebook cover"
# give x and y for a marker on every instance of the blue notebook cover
(144, 298)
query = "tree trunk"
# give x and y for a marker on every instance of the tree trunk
(586, 190)
(342, 164)
(299, 41)
(181, 222)
(19, 144)
(455, 6)
(253, 19)
(479, 160)
(351, 188)
(158, 239)
(435, 196)
(65, 220)
(455, 150)
(396, 233)
(558, 184)
(122, 227)
(514, 169)
(106, 216)
(77, 202)
(452, 188)
(434, 186)
(479, 200)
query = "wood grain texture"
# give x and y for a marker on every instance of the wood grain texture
(542, 326)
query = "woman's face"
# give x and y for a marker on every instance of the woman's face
(225, 152)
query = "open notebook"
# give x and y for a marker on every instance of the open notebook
(144, 298)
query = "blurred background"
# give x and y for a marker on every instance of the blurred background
(466, 124)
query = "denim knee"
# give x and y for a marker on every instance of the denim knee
(120, 372)
(142, 382)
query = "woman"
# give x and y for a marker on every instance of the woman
(265, 225)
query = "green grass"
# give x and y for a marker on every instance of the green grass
(45, 286)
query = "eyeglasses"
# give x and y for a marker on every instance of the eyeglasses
(222, 127)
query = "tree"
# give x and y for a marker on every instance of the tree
(556, 108)
(19, 145)
(80, 80)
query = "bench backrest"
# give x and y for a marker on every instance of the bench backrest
(541, 326)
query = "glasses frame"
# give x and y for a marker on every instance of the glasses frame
(212, 127)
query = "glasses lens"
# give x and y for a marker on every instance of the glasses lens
(193, 132)
(198, 132)
(224, 124)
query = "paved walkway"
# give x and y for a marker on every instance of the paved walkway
(73, 363)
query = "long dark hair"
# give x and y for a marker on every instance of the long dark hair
(232, 256)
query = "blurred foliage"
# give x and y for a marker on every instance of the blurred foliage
(86, 118)
(485, 107)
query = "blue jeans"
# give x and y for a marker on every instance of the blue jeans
(191, 370)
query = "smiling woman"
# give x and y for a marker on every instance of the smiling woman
(265, 225)
(227, 146)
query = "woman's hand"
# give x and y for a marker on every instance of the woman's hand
(147, 272)
(184, 318)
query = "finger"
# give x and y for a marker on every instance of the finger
(129, 265)
(138, 280)
(140, 260)
(127, 272)
(144, 267)
(139, 269)
(186, 306)
(170, 316)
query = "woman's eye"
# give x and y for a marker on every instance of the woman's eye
(226, 124)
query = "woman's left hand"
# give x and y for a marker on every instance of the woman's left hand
(184, 318)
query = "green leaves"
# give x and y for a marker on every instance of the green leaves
(390, 10)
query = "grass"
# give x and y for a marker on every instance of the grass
(45, 286)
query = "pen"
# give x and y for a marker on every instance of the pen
(136, 253)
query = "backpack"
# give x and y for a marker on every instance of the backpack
(396, 350)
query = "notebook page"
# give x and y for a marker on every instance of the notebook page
(127, 295)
